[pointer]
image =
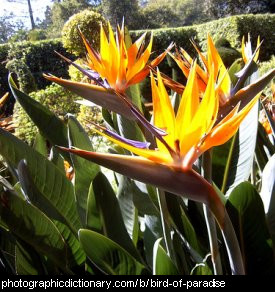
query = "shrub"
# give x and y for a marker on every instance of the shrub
(37, 35)
(264, 67)
(89, 114)
(25, 78)
(40, 57)
(55, 98)
(89, 23)
(227, 53)
(4, 51)
(74, 73)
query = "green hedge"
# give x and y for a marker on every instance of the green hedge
(4, 51)
(35, 58)
(230, 28)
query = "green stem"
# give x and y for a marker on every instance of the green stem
(210, 220)
(164, 213)
(233, 247)
(226, 171)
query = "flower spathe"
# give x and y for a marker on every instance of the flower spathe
(247, 50)
(121, 63)
(188, 134)
(194, 129)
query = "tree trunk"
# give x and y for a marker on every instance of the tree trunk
(31, 15)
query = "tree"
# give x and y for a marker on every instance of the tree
(62, 10)
(158, 14)
(8, 27)
(116, 10)
(222, 8)
(30, 12)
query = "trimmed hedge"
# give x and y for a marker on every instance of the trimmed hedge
(231, 28)
(33, 58)
(264, 67)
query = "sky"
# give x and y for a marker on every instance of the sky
(21, 9)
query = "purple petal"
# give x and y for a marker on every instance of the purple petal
(137, 144)
(93, 75)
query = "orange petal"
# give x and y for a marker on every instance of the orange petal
(220, 71)
(163, 112)
(189, 104)
(227, 128)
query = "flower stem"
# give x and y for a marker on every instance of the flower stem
(233, 247)
(164, 213)
(210, 220)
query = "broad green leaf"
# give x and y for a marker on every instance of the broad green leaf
(246, 211)
(127, 207)
(108, 255)
(93, 214)
(74, 253)
(268, 194)
(142, 198)
(134, 93)
(129, 129)
(110, 212)
(219, 160)
(40, 144)
(7, 250)
(234, 68)
(153, 231)
(163, 265)
(242, 150)
(50, 126)
(85, 171)
(50, 182)
(264, 148)
(57, 159)
(201, 269)
(27, 260)
(31, 225)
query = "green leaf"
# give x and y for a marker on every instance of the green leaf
(7, 250)
(85, 171)
(50, 126)
(31, 225)
(74, 253)
(28, 261)
(112, 220)
(246, 212)
(235, 68)
(268, 194)
(163, 265)
(93, 214)
(108, 255)
(241, 155)
(201, 269)
(57, 159)
(50, 182)
(135, 94)
(127, 207)
(153, 231)
(40, 144)
(142, 198)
